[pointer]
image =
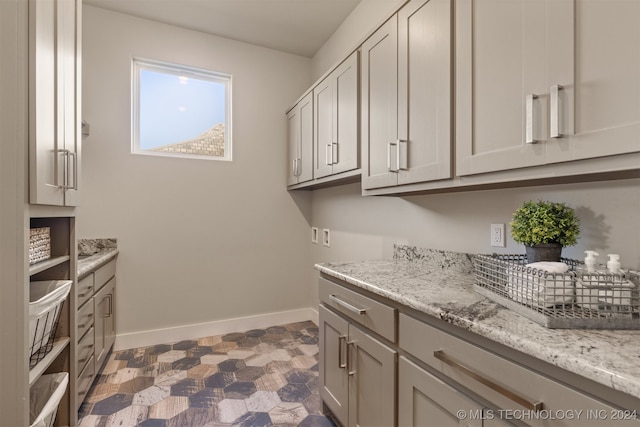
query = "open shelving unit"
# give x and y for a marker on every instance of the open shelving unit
(60, 266)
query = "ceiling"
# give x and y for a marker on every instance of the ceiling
(300, 27)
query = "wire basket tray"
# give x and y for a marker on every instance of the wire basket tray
(574, 299)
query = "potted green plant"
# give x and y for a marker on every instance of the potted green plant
(545, 228)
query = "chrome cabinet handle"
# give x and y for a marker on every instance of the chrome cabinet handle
(341, 364)
(75, 170)
(350, 371)
(529, 139)
(110, 306)
(534, 406)
(328, 154)
(396, 166)
(555, 112)
(294, 166)
(403, 154)
(348, 306)
(334, 153)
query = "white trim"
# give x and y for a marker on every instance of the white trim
(218, 327)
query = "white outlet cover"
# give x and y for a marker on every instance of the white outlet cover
(497, 236)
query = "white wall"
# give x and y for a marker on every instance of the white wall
(364, 19)
(367, 227)
(200, 240)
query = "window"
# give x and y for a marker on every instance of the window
(180, 111)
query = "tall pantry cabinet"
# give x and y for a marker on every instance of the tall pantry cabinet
(543, 82)
(40, 148)
(55, 65)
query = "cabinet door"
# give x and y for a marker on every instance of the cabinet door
(324, 107)
(305, 170)
(345, 154)
(293, 121)
(105, 321)
(371, 367)
(425, 400)
(599, 104)
(45, 168)
(379, 107)
(54, 104)
(424, 91)
(300, 119)
(503, 59)
(334, 383)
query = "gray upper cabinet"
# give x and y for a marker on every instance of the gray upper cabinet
(54, 104)
(336, 120)
(522, 100)
(300, 122)
(406, 97)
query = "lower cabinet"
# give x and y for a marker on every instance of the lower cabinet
(383, 364)
(95, 325)
(425, 400)
(358, 373)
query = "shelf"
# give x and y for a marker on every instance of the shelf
(58, 346)
(46, 264)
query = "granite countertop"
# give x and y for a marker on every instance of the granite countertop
(94, 253)
(440, 284)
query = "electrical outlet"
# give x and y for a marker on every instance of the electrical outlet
(497, 238)
(326, 237)
(314, 235)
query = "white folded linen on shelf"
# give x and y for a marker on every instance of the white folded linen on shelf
(541, 284)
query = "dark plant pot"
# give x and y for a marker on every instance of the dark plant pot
(544, 252)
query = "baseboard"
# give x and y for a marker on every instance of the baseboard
(219, 327)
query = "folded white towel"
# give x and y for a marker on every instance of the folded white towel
(551, 267)
(543, 286)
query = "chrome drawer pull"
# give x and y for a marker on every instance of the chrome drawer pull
(348, 306)
(534, 406)
(341, 364)
(350, 372)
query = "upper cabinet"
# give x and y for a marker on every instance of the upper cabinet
(55, 101)
(300, 120)
(554, 81)
(336, 120)
(406, 97)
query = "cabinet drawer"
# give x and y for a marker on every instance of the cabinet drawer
(84, 381)
(85, 319)
(378, 317)
(505, 384)
(85, 289)
(85, 349)
(104, 273)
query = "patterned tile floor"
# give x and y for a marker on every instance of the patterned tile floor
(262, 377)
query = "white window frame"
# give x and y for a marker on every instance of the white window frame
(179, 70)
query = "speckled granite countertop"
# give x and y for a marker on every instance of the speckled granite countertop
(440, 284)
(94, 253)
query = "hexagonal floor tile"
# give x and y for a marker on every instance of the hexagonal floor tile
(172, 356)
(185, 345)
(288, 413)
(250, 373)
(170, 377)
(187, 387)
(206, 398)
(271, 382)
(299, 376)
(202, 371)
(262, 401)
(131, 415)
(112, 404)
(151, 395)
(185, 363)
(239, 390)
(169, 407)
(231, 365)
(294, 393)
(230, 410)
(219, 380)
(213, 359)
(135, 385)
(254, 419)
